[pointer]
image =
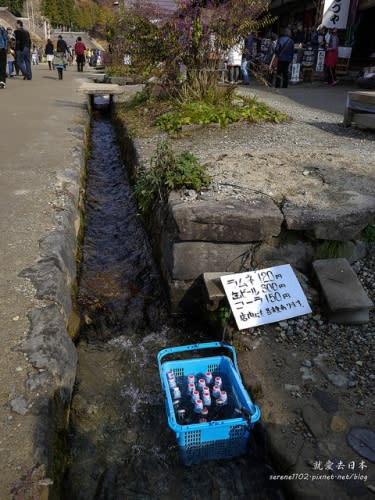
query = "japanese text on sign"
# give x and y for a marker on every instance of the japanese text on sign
(265, 296)
(335, 14)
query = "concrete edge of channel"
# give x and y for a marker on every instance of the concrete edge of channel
(49, 345)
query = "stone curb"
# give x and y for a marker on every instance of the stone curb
(49, 347)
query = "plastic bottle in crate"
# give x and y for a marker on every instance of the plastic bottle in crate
(201, 383)
(224, 397)
(216, 391)
(206, 398)
(198, 406)
(208, 378)
(171, 379)
(176, 393)
(190, 388)
(195, 395)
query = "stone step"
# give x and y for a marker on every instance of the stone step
(214, 289)
(346, 300)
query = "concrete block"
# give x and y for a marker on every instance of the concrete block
(364, 120)
(229, 220)
(191, 259)
(214, 289)
(336, 215)
(346, 300)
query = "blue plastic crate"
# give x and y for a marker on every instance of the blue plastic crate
(218, 439)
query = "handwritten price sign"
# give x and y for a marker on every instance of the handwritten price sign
(265, 296)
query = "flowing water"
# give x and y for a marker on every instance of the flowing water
(121, 445)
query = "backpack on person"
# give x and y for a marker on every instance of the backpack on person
(3, 38)
(80, 49)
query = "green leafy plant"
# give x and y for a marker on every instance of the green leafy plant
(203, 113)
(368, 233)
(331, 249)
(168, 172)
(116, 70)
(224, 314)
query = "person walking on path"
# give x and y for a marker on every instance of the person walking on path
(62, 48)
(60, 63)
(35, 55)
(11, 56)
(246, 58)
(23, 47)
(3, 56)
(284, 51)
(331, 57)
(48, 51)
(79, 49)
(60, 59)
(234, 62)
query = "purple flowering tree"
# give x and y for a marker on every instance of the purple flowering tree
(196, 34)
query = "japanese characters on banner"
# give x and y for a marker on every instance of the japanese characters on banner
(265, 296)
(335, 13)
(308, 58)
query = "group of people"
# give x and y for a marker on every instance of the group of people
(240, 58)
(60, 57)
(17, 54)
(321, 39)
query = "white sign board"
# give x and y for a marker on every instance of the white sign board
(320, 61)
(265, 296)
(295, 73)
(335, 13)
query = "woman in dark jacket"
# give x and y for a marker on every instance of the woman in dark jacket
(48, 51)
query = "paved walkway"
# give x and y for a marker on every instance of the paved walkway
(37, 125)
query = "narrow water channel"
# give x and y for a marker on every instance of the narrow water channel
(121, 446)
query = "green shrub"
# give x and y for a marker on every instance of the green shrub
(331, 249)
(368, 234)
(203, 113)
(168, 172)
(116, 70)
(138, 99)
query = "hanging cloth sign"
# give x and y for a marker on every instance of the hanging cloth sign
(265, 296)
(335, 13)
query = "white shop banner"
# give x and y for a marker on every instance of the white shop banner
(335, 13)
(265, 296)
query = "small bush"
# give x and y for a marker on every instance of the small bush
(331, 249)
(204, 113)
(368, 234)
(116, 70)
(139, 99)
(202, 86)
(167, 173)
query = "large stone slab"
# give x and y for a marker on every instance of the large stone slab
(337, 216)
(229, 220)
(346, 299)
(100, 88)
(191, 259)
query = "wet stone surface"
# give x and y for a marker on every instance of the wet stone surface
(121, 446)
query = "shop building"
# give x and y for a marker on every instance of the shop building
(354, 19)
